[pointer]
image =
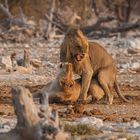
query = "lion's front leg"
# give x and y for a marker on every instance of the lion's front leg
(87, 73)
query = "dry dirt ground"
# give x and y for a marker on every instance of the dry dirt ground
(118, 112)
(48, 53)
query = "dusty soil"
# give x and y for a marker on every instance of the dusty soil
(48, 53)
(118, 112)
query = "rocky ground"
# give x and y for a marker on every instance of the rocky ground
(118, 121)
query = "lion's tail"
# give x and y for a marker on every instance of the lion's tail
(117, 89)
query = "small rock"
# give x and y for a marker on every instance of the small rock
(135, 66)
(23, 70)
(135, 43)
(96, 112)
(88, 113)
(6, 62)
(26, 46)
(123, 65)
(135, 124)
(126, 119)
(36, 63)
(29, 32)
(98, 123)
(79, 108)
(7, 126)
(122, 138)
(133, 50)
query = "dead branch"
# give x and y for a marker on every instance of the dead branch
(58, 23)
(6, 4)
(26, 58)
(5, 10)
(97, 25)
(22, 14)
(98, 30)
(105, 31)
(95, 8)
(29, 124)
(11, 20)
(63, 27)
(51, 17)
(54, 23)
(124, 27)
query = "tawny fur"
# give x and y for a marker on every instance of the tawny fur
(95, 90)
(64, 89)
(90, 59)
(70, 89)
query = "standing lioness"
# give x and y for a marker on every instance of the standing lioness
(90, 59)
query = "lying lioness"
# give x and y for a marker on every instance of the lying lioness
(65, 89)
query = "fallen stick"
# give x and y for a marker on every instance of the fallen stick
(30, 125)
(11, 20)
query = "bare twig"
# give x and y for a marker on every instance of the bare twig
(22, 14)
(28, 119)
(29, 124)
(11, 20)
(6, 5)
(5, 11)
(51, 18)
(105, 31)
(26, 58)
(54, 23)
(97, 25)
(95, 8)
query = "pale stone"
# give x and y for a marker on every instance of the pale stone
(36, 63)
(23, 70)
(6, 63)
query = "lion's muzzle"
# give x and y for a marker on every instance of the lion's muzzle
(79, 57)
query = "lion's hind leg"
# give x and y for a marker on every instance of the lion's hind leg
(96, 90)
(104, 81)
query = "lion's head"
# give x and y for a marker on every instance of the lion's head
(66, 79)
(74, 47)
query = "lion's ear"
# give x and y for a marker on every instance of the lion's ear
(79, 33)
(70, 67)
(69, 71)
